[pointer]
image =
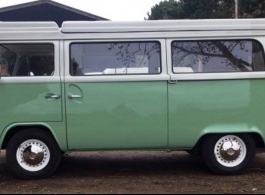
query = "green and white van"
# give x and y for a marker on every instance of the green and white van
(189, 85)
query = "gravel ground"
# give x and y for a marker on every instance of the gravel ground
(135, 173)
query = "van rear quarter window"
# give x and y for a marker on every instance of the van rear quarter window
(217, 56)
(115, 58)
(22, 60)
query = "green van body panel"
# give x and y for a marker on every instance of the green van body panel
(133, 115)
(117, 115)
(25, 104)
(198, 108)
(57, 129)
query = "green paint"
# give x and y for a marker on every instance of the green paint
(124, 115)
(25, 104)
(134, 115)
(197, 108)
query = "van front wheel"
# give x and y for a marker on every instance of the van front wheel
(33, 154)
(230, 154)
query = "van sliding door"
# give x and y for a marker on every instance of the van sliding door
(116, 95)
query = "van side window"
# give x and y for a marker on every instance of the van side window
(115, 58)
(217, 56)
(25, 60)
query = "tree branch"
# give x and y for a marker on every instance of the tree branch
(198, 53)
(227, 54)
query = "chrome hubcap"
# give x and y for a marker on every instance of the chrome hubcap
(33, 155)
(230, 151)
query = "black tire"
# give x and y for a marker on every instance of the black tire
(33, 134)
(210, 157)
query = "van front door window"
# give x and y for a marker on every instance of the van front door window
(26, 60)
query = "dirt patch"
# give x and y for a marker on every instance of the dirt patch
(135, 173)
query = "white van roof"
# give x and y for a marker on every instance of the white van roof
(102, 29)
(29, 27)
(141, 26)
(163, 26)
(29, 31)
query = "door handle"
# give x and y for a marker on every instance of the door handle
(74, 96)
(51, 96)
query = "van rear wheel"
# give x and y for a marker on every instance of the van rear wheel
(230, 154)
(33, 154)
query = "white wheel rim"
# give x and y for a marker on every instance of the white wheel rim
(230, 151)
(33, 155)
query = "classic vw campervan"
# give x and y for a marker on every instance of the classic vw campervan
(191, 85)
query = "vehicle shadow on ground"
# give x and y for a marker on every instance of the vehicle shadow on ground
(136, 172)
(128, 163)
(137, 163)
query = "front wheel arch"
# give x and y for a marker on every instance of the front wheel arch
(17, 129)
(33, 140)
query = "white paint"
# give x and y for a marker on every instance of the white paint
(162, 37)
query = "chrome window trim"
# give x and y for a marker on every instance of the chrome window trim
(37, 79)
(23, 80)
(116, 78)
(211, 76)
(120, 78)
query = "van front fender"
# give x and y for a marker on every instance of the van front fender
(55, 129)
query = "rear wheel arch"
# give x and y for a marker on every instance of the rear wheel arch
(197, 149)
(229, 154)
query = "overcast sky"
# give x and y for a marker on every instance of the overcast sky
(122, 10)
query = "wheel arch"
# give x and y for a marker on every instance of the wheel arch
(12, 130)
(257, 137)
